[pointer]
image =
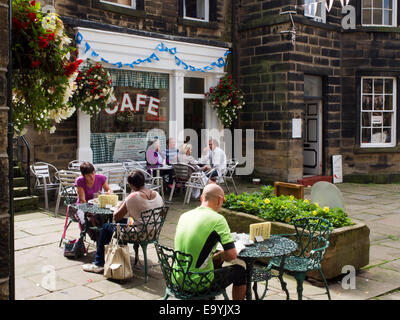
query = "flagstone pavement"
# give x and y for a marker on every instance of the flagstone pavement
(43, 273)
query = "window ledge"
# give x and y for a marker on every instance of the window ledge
(359, 150)
(200, 24)
(118, 9)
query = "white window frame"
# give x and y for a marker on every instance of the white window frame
(393, 120)
(394, 15)
(308, 6)
(132, 6)
(206, 13)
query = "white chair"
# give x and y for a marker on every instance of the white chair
(66, 188)
(116, 180)
(45, 174)
(197, 180)
(130, 165)
(75, 165)
(228, 175)
(182, 173)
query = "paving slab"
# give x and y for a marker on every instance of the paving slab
(74, 293)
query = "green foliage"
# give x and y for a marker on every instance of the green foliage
(226, 99)
(266, 205)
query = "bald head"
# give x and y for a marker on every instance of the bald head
(212, 192)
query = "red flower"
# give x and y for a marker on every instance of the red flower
(211, 90)
(230, 77)
(43, 42)
(70, 68)
(33, 3)
(34, 64)
(32, 16)
(51, 36)
(235, 102)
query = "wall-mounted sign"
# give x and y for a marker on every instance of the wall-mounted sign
(337, 171)
(141, 101)
(128, 148)
(296, 128)
(377, 119)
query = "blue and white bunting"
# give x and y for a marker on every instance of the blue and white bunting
(88, 50)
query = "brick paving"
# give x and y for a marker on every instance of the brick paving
(39, 259)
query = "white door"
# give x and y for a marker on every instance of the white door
(312, 149)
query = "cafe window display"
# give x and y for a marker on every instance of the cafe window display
(139, 113)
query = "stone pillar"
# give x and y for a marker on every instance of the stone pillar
(4, 183)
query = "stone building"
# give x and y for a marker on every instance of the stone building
(5, 241)
(341, 83)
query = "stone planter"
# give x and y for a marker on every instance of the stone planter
(347, 245)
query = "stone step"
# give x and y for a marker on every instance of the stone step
(20, 192)
(19, 182)
(26, 203)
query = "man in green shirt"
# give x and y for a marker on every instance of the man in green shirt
(199, 231)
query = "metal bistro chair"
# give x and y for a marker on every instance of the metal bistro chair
(153, 183)
(228, 175)
(311, 236)
(182, 173)
(66, 188)
(144, 234)
(116, 179)
(45, 174)
(75, 165)
(182, 283)
(197, 180)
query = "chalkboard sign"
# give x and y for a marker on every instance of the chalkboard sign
(337, 171)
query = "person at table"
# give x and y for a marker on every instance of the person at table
(139, 200)
(215, 157)
(185, 156)
(171, 152)
(90, 183)
(153, 154)
(198, 232)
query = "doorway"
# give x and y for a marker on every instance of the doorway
(312, 147)
(194, 118)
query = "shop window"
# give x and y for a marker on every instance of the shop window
(194, 85)
(124, 3)
(379, 13)
(140, 113)
(378, 112)
(315, 10)
(196, 10)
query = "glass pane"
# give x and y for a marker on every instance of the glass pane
(388, 4)
(378, 86)
(367, 85)
(388, 102)
(387, 119)
(367, 16)
(312, 86)
(366, 119)
(377, 3)
(388, 85)
(366, 135)
(367, 3)
(387, 17)
(378, 103)
(367, 103)
(387, 137)
(123, 2)
(195, 9)
(377, 135)
(194, 85)
(377, 16)
(377, 119)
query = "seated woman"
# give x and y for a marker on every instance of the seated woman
(140, 199)
(90, 183)
(153, 154)
(184, 156)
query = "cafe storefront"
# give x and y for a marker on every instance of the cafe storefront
(159, 87)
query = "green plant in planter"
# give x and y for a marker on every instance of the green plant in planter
(266, 205)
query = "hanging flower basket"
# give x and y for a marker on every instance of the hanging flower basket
(226, 99)
(43, 73)
(94, 89)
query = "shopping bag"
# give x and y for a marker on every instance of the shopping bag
(117, 261)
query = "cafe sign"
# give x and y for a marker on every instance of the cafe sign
(151, 104)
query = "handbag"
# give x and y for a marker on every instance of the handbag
(74, 248)
(117, 261)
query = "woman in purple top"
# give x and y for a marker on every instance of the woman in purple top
(90, 183)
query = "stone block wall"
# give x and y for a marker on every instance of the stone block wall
(271, 74)
(4, 185)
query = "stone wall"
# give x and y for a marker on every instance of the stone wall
(272, 75)
(4, 185)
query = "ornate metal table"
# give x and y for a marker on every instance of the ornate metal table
(275, 246)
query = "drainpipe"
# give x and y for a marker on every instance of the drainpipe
(10, 135)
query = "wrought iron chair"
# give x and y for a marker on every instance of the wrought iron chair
(116, 180)
(311, 236)
(45, 174)
(182, 173)
(228, 175)
(182, 283)
(144, 234)
(197, 180)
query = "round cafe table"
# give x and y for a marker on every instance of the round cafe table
(275, 246)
